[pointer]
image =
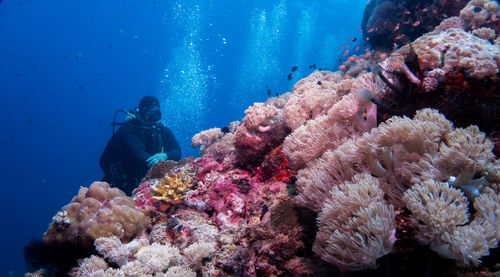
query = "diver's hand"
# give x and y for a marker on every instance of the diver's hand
(156, 158)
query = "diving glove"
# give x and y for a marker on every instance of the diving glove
(156, 158)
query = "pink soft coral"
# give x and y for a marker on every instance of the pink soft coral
(262, 129)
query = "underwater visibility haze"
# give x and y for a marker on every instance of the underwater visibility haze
(318, 138)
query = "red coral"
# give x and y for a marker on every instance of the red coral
(275, 166)
(142, 196)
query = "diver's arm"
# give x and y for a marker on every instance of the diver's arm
(170, 145)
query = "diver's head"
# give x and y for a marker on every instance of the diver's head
(149, 110)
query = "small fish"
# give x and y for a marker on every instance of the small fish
(396, 28)
(341, 47)
(434, 11)
(346, 76)
(359, 30)
(416, 23)
(290, 76)
(268, 92)
(122, 31)
(347, 46)
(367, 49)
(346, 52)
(394, 46)
(342, 67)
(295, 68)
(361, 60)
(406, 22)
(425, 10)
(357, 48)
(79, 55)
(314, 65)
(399, 37)
(351, 58)
(353, 39)
(367, 38)
(369, 31)
(319, 83)
(30, 120)
(368, 54)
(407, 12)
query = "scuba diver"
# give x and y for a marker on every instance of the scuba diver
(140, 142)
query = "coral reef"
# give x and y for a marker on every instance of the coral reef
(454, 68)
(388, 22)
(381, 167)
(402, 153)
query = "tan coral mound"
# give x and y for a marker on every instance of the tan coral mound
(98, 211)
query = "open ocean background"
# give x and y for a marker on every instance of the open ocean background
(67, 66)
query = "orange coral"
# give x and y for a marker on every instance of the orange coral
(172, 188)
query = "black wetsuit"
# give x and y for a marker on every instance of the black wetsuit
(124, 158)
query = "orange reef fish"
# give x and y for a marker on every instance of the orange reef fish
(416, 23)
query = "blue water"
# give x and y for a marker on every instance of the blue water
(66, 66)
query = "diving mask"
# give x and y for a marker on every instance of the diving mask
(150, 114)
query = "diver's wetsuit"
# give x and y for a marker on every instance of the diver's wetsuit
(124, 158)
